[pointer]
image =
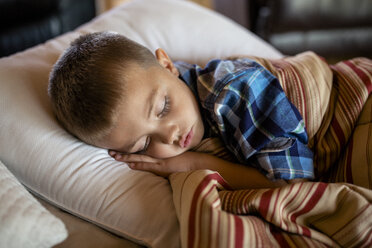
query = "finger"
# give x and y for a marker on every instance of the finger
(112, 153)
(116, 155)
(135, 158)
(155, 168)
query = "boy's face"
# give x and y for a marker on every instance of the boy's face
(159, 116)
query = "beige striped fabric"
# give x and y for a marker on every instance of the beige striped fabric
(352, 85)
(355, 165)
(330, 100)
(307, 81)
(298, 215)
(337, 107)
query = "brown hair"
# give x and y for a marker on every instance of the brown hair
(86, 83)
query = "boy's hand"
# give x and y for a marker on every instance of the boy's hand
(237, 176)
(161, 167)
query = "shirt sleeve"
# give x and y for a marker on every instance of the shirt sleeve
(260, 125)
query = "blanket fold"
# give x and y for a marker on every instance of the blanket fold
(297, 215)
(330, 99)
(336, 105)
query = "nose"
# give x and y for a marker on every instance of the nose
(169, 134)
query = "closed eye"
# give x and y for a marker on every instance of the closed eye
(165, 110)
(166, 107)
(144, 149)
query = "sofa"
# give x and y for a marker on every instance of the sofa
(335, 29)
(25, 23)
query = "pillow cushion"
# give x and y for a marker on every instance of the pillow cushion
(82, 179)
(24, 222)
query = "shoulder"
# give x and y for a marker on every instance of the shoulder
(219, 68)
(220, 77)
(224, 76)
(219, 73)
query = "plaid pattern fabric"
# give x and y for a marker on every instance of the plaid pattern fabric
(332, 101)
(244, 104)
(307, 82)
(310, 214)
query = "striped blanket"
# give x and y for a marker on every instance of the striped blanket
(336, 106)
(298, 215)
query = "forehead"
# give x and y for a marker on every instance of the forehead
(138, 78)
(131, 113)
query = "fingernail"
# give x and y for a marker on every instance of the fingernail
(117, 156)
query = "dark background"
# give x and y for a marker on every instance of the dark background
(335, 29)
(26, 23)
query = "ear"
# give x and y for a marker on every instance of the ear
(165, 61)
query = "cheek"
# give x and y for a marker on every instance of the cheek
(163, 151)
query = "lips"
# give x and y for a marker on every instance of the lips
(186, 139)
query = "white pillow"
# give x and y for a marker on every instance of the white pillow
(83, 179)
(24, 222)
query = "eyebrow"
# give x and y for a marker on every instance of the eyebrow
(150, 100)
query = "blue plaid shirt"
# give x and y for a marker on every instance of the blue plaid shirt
(243, 104)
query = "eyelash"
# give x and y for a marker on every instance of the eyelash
(166, 107)
(163, 113)
(143, 150)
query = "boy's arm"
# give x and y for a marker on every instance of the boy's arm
(237, 176)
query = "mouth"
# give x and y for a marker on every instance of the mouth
(186, 139)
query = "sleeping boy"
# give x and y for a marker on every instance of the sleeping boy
(152, 113)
